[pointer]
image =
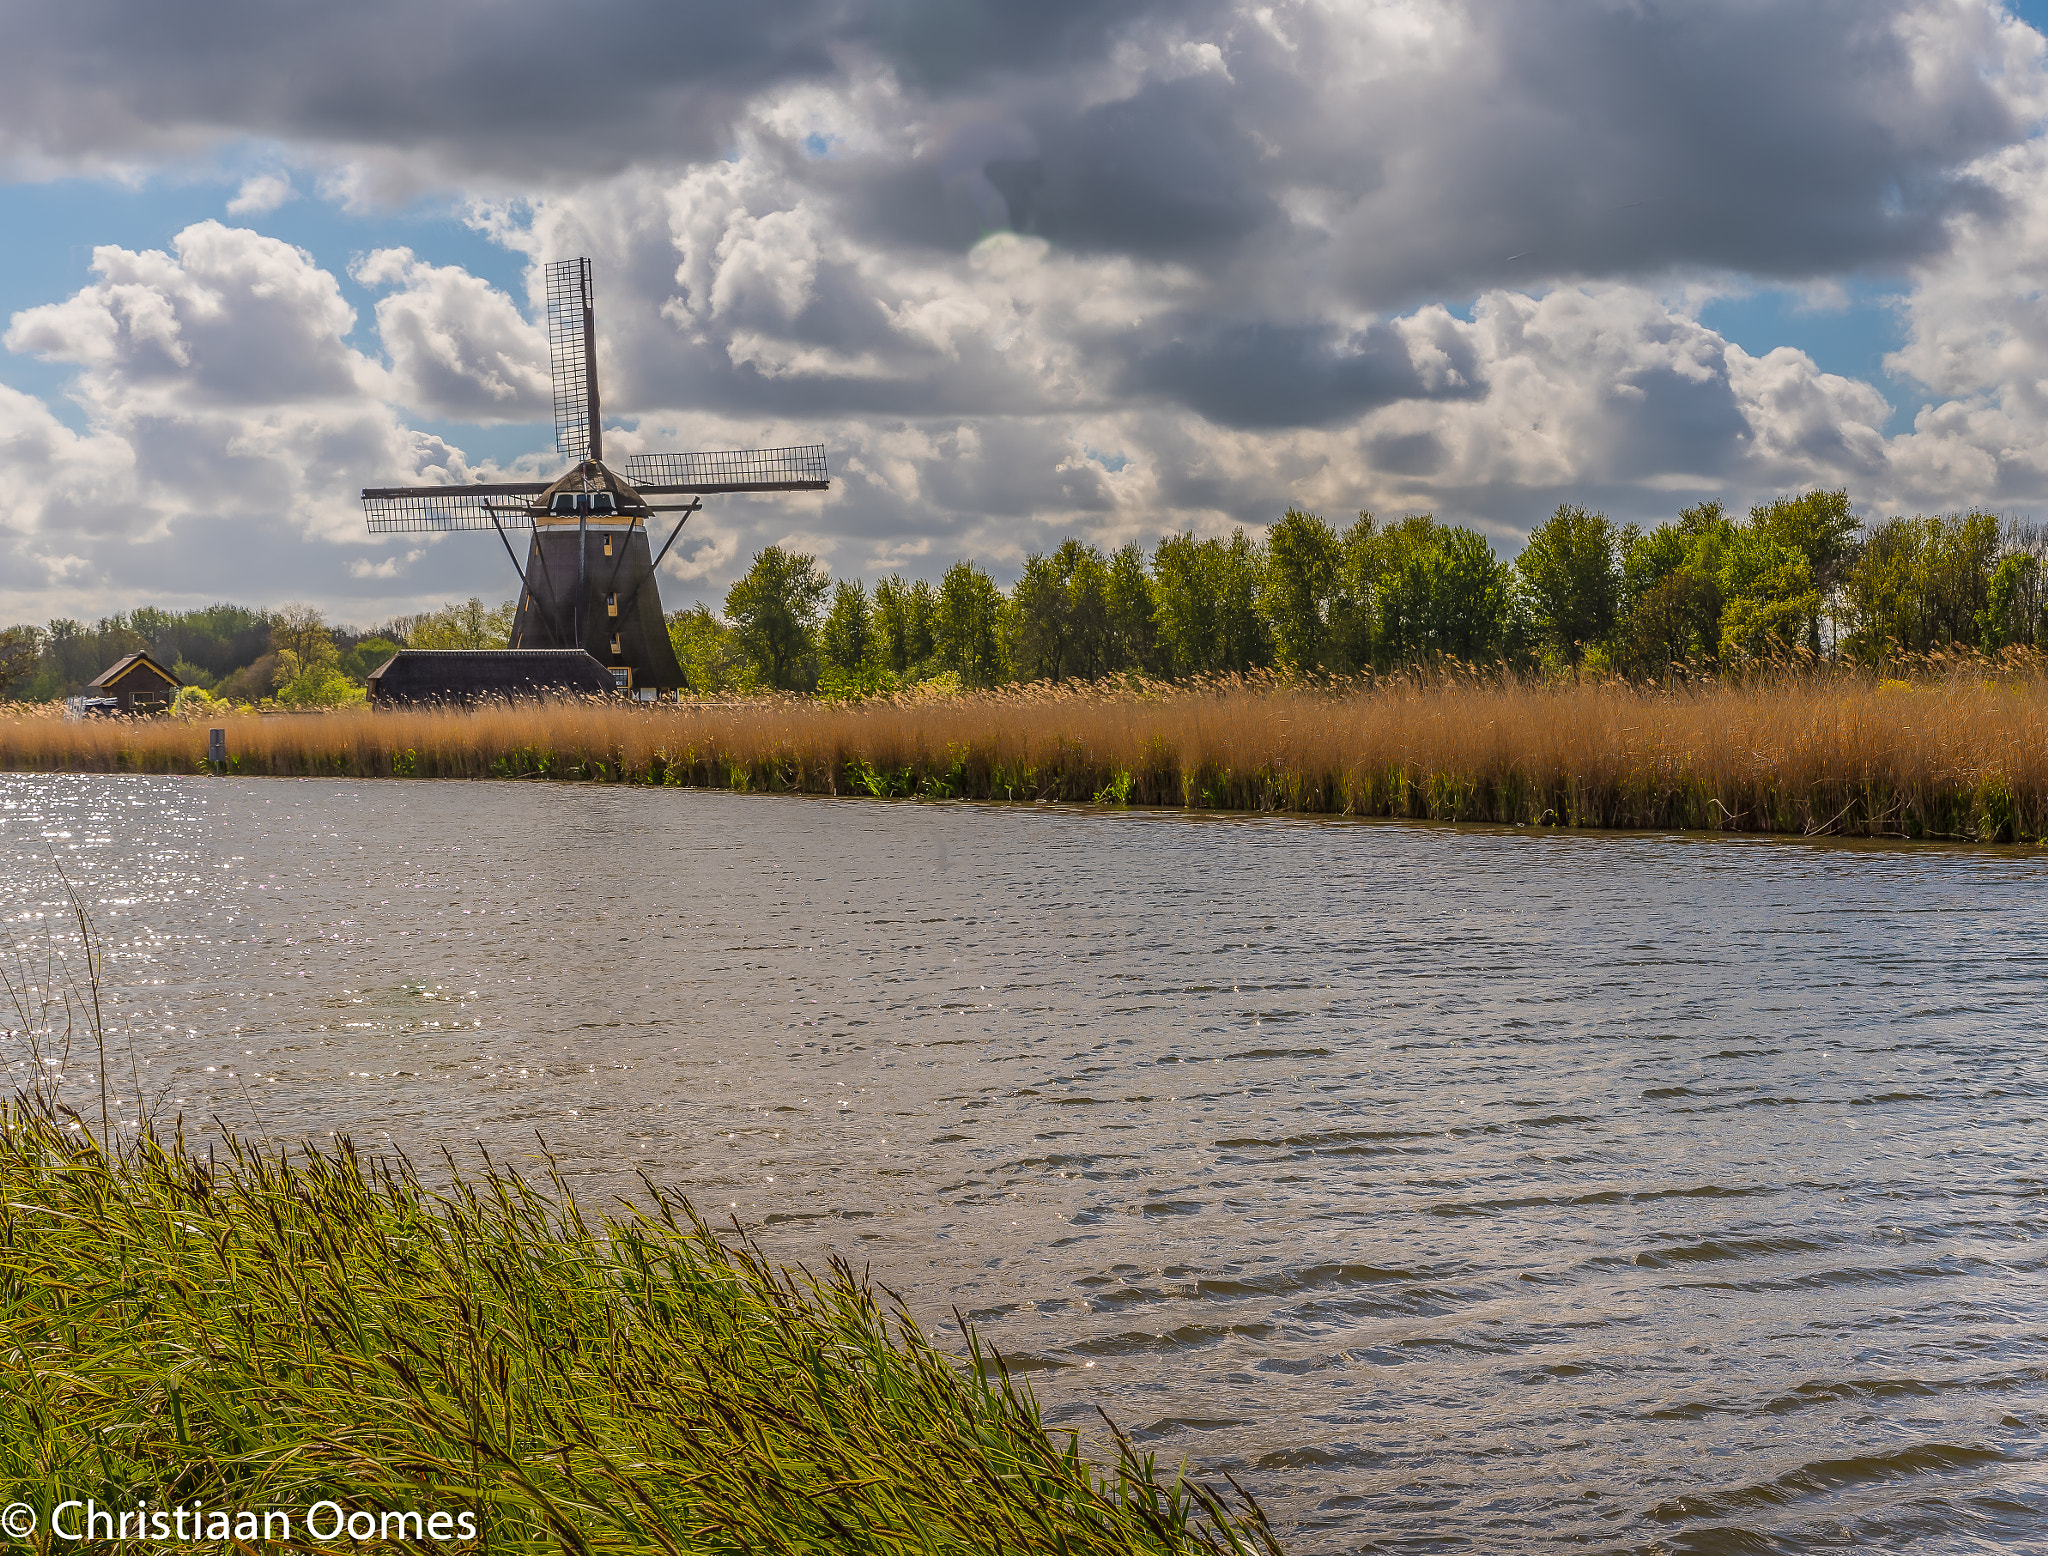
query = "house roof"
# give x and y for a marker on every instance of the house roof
(464, 674)
(130, 664)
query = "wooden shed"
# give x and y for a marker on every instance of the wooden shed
(137, 682)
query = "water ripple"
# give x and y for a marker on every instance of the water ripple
(1458, 1190)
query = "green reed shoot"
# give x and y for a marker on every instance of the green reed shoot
(281, 1330)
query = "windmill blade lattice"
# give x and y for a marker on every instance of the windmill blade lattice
(398, 510)
(572, 359)
(797, 469)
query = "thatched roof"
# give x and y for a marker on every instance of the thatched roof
(479, 674)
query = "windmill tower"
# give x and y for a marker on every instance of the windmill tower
(589, 579)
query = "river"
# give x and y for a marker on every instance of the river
(1456, 1189)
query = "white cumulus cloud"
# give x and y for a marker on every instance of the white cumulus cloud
(261, 193)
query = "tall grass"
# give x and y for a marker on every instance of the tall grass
(271, 1334)
(1959, 752)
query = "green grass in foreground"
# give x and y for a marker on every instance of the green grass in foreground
(276, 1333)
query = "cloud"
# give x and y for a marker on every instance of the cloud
(229, 319)
(1260, 374)
(459, 348)
(1108, 269)
(229, 422)
(261, 193)
(1396, 151)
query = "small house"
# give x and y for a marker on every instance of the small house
(136, 682)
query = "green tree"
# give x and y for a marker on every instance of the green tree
(1672, 599)
(1060, 619)
(1919, 584)
(1301, 578)
(903, 623)
(1208, 604)
(1416, 591)
(471, 624)
(1471, 593)
(205, 646)
(1769, 601)
(364, 658)
(1822, 529)
(1649, 558)
(21, 650)
(774, 614)
(1041, 631)
(1675, 624)
(73, 653)
(1570, 581)
(314, 686)
(2012, 613)
(308, 671)
(967, 627)
(302, 632)
(711, 659)
(847, 643)
(1132, 611)
(1086, 571)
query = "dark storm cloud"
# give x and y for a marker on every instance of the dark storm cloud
(1173, 170)
(1550, 140)
(1531, 139)
(1269, 375)
(1617, 139)
(477, 85)
(513, 87)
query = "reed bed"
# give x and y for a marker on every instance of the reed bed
(321, 1335)
(1960, 751)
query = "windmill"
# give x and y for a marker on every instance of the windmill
(588, 582)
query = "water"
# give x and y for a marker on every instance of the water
(1456, 1190)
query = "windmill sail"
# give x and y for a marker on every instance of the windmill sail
(395, 510)
(797, 469)
(572, 360)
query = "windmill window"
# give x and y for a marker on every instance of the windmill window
(601, 502)
(615, 642)
(611, 604)
(607, 545)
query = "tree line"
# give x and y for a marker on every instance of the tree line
(290, 655)
(1701, 594)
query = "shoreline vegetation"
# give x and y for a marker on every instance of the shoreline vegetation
(1958, 752)
(1709, 595)
(319, 1334)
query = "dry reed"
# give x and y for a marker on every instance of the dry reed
(1961, 752)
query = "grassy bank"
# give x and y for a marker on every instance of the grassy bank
(271, 1336)
(1962, 754)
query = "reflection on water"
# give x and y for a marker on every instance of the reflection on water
(1456, 1190)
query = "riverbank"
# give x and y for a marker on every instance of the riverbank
(323, 1337)
(1962, 755)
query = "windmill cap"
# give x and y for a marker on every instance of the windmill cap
(592, 476)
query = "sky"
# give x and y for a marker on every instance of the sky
(1111, 270)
